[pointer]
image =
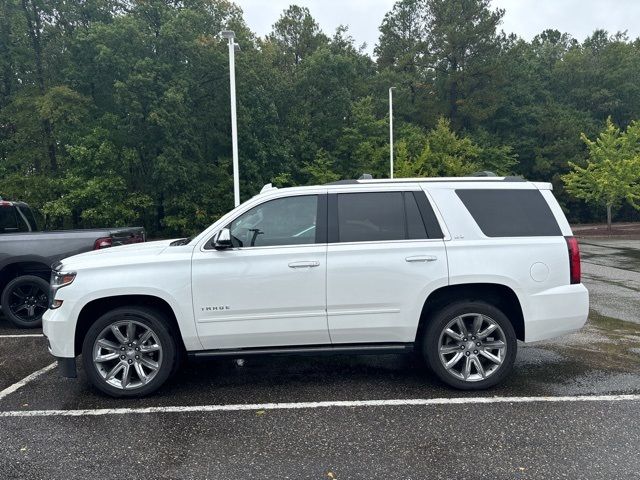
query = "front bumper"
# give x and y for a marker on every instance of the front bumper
(66, 366)
(59, 327)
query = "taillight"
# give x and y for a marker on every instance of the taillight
(134, 239)
(104, 242)
(574, 259)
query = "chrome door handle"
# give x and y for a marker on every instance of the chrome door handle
(421, 258)
(304, 264)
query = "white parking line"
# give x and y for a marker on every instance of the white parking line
(311, 405)
(24, 335)
(25, 380)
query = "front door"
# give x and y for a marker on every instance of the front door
(270, 288)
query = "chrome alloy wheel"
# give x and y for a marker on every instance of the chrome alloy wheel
(472, 347)
(127, 354)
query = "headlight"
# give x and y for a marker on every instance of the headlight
(62, 279)
(59, 279)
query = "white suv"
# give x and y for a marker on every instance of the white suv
(458, 269)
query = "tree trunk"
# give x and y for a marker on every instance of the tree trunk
(5, 52)
(453, 91)
(609, 218)
(453, 101)
(34, 25)
(159, 213)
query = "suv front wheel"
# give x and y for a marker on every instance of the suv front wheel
(470, 345)
(129, 352)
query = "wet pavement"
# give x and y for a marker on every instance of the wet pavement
(571, 439)
(611, 272)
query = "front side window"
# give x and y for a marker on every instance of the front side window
(279, 222)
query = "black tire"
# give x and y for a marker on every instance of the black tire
(432, 338)
(24, 301)
(149, 318)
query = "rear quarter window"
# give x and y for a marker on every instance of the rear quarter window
(510, 213)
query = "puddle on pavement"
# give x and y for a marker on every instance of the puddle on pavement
(601, 358)
(612, 254)
(605, 344)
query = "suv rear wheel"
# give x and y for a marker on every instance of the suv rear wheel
(129, 352)
(470, 345)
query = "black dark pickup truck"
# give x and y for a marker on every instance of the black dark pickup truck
(26, 256)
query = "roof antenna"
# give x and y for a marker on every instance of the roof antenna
(365, 176)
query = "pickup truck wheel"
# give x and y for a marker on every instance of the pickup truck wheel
(129, 352)
(24, 301)
(470, 345)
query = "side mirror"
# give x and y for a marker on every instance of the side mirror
(222, 240)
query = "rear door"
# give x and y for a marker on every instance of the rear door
(385, 255)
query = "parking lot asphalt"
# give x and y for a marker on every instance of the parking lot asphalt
(611, 271)
(199, 429)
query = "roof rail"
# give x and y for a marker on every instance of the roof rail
(483, 173)
(343, 182)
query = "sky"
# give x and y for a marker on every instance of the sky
(526, 18)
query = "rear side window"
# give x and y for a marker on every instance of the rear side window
(369, 217)
(510, 213)
(380, 216)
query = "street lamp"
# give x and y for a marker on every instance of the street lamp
(230, 36)
(391, 131)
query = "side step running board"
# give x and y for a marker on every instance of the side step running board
(368, 348)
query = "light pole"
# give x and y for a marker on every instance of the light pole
(230, 36)
(391, 131)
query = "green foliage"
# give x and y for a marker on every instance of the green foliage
(97, 201)
(321, 170)
(117, 112)
(445, 154)
(612, 172)
(297, 35)
(363, 143)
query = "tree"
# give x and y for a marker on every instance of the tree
(297, 35)
(321, 169)
(445, 154)
(403, 36)
(451, 47)
(363, 145)
(612, 172)
(463, 44)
